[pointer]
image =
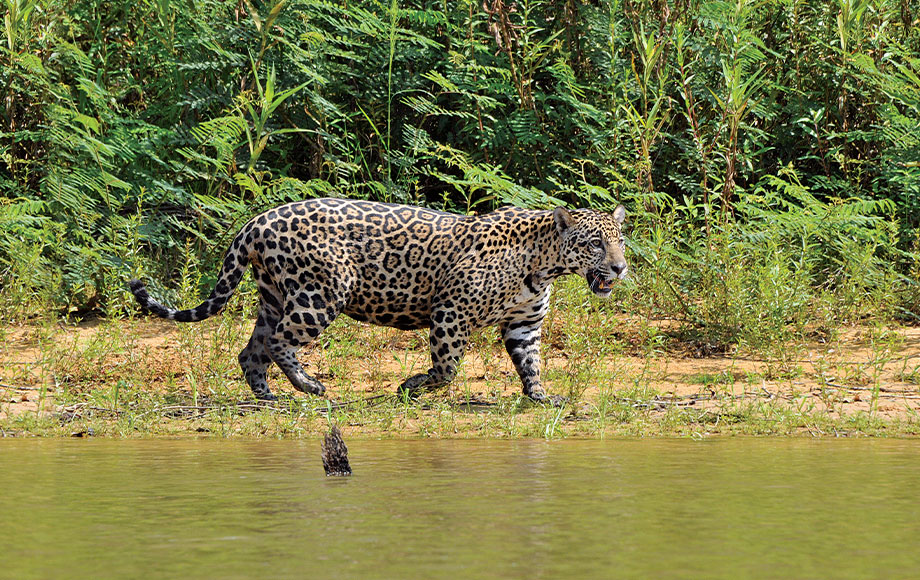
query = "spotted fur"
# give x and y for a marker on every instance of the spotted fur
(406, 267)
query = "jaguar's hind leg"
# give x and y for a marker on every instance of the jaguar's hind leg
(302, 321)
(255, 359)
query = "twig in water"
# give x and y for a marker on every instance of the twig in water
(335, 453)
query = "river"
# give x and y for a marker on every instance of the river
(724, 508)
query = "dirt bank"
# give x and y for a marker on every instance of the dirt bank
(865, 378)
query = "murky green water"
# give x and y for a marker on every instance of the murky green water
(461, 509)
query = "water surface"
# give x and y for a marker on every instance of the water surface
(731, 508)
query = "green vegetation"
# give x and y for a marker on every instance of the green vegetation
(768, 153)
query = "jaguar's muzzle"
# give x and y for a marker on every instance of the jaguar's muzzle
(599, 283)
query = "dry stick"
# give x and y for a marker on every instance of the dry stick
(73, 409)
(689, 400)
(836, 386)
(883, 392)
(342, 405)
(811, 361)
(15, 388)
(202, 409)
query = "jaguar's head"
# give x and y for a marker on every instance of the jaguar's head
(592, 245)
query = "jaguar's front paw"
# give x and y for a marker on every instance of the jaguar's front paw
(557, 401)
(544, 399)
(307, 384)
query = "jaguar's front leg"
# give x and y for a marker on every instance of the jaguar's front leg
(447, 340)
(522, 341)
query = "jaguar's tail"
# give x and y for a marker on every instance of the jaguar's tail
(231, 272)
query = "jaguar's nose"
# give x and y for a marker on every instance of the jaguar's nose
(619, 269)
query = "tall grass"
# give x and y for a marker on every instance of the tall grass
(768, 152)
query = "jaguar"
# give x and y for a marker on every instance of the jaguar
(410, 268)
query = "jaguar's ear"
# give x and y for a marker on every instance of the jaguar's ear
(563, 218)
(619, 214)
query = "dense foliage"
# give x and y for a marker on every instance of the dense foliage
(769, 151)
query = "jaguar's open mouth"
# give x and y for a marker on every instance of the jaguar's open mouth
(598, 283)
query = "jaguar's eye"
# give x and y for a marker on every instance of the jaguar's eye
(597, 243)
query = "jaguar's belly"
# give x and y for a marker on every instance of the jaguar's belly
(390, 308)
